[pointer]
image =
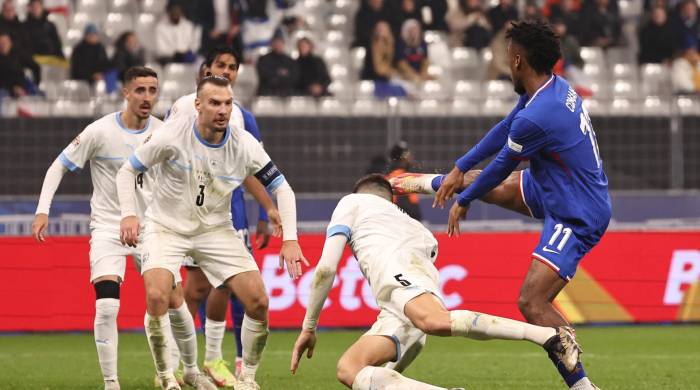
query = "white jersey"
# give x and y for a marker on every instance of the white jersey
(107, 144)
(184, 106)
(196, 178)
(379, 232)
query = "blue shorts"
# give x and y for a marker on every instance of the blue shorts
(561, 245)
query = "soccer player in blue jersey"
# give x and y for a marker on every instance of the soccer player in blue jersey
(565, 185)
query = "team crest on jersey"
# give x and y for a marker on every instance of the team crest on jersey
(148, 138)
(202, 176)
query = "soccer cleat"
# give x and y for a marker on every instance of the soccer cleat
(411, 183)
(219, 373)
(169, 383)
(199, 381)
(112, 384)
(178, 378)
(564, 346)
(246, 384)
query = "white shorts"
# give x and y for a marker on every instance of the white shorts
(409, 340)
(220, 253)
(242, 233)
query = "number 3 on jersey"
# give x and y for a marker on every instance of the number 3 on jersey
(200, 198)
(587, 129)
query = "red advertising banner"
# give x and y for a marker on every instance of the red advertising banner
(629, 276)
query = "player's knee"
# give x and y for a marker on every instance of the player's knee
(530, 306)
(430, 326)
(156, 297)
(346, 372)
(257, 308)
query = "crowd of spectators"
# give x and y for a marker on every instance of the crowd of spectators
(390, 31)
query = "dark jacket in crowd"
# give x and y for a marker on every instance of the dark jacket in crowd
(278, 74)
(312, 70)
(365, 20)
(499, 16)
(87, 60)
(12, 68)
(15, 30)
(655, 43)
(41, 36)
(123, 59)
(597, 24)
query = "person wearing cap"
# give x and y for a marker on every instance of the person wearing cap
(89, 59)
(277, 71)
(401, 161)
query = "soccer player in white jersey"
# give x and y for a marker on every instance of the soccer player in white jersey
(202, 160)
(221, 62)
(396, 255)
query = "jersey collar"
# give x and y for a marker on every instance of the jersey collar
(545, 85)
(207, 144)
(121, 124)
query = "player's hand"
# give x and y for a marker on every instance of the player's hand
(292, 256)
(41, 221)
(262, 234)
(276, 221)
(457, 213)
(305, 342)
(450, 184)
(129, 231)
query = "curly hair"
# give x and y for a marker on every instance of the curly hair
(539, 41)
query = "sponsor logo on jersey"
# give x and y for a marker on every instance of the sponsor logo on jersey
(514, 146)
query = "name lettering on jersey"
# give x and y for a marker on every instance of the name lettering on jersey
(514, 146)
(571, 99)
(203, 176)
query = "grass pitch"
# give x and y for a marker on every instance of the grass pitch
(644, 357)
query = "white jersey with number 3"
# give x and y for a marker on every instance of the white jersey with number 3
(107, 143)
(196, 178)
(384, 239)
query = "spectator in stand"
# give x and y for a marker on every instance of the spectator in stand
(469, 25)
(600, 24)
(9, 23)
(685, 71)
(313, 73)
(570, 65)
(127, 53)
(499, 67)
(379, 60)
(41, 34)
(531, 11)
(370, 13)
(687, 23)
(412, 53)
(408, 9)
(277, 71)
(436, 11)
(177, 39)
(501, 14)
(89, 59)
(13, 63)
(566, 11)
(221, 25)
(401, 161)
(655, 37)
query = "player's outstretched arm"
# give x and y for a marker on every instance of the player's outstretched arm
(52, 180)
(290, 253)
(320, 287)
(126, 191)
(262, 233)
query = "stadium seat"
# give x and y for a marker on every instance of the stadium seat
(364, 89)
(462, 107)
(600, 89)
(162, 107)
(595, 107)
(301, 106)
(247, 78)
(183, 73)
(126, 6)
(339, 72)
(339, 22)
(437, 72)
(53, 74)
(145, 29)
(74, 90)
(595, 72)
(433, 107)
(496, 107)
(499, 89)
(35, 106)
(80, 20)
(630, 9)
(270, 106)
(433, 90)
(345, 7)
(333, 107)
(655, 80)
(467, 89)
(688, 105)
(624, 72)
(623, 106)
(625, 89)
(370, 107)
(341, 90)
(173, 89)
(335, 55)
(108, 106)
(71, 108)
(404, 107)
(593, 55)
(93, 7)
(656, 106)
(434, 36)
(357, 58)
(336, 38)
(117, 23)
(153, 6)
(465, 63)
(620, 55)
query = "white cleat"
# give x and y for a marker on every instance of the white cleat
(169, 383)
(564, 346)
(412, 183)
(246, 384)
(112, 384)
(199, 381)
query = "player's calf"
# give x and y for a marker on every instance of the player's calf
(105, 327)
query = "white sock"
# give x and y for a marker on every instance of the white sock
(376, 378)
(107, 336)
(182, 325)
(253, 337)
(480, 326)
(173, 349)
(214, 335)
(157, 328)
(583, 384)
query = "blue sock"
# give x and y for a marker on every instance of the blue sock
(237, 312)
(203, 313)
(437, 180)
(569, 377)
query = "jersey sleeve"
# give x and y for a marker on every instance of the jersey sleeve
(81, 149)
(343, 218)
(154, 150)
(525, 138)
(262, 167)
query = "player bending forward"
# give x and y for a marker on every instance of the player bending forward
(202, 161)
(396, 255)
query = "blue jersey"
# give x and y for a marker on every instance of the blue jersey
(238, 210)
(553, 131)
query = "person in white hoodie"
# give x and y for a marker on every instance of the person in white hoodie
(177, 39)
(685, 71)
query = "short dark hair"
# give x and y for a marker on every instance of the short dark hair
(539, 41)
(214, 80)
(214, 53)
(374, 179)
(138, 71)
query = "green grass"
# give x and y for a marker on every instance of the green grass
(660, 357)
